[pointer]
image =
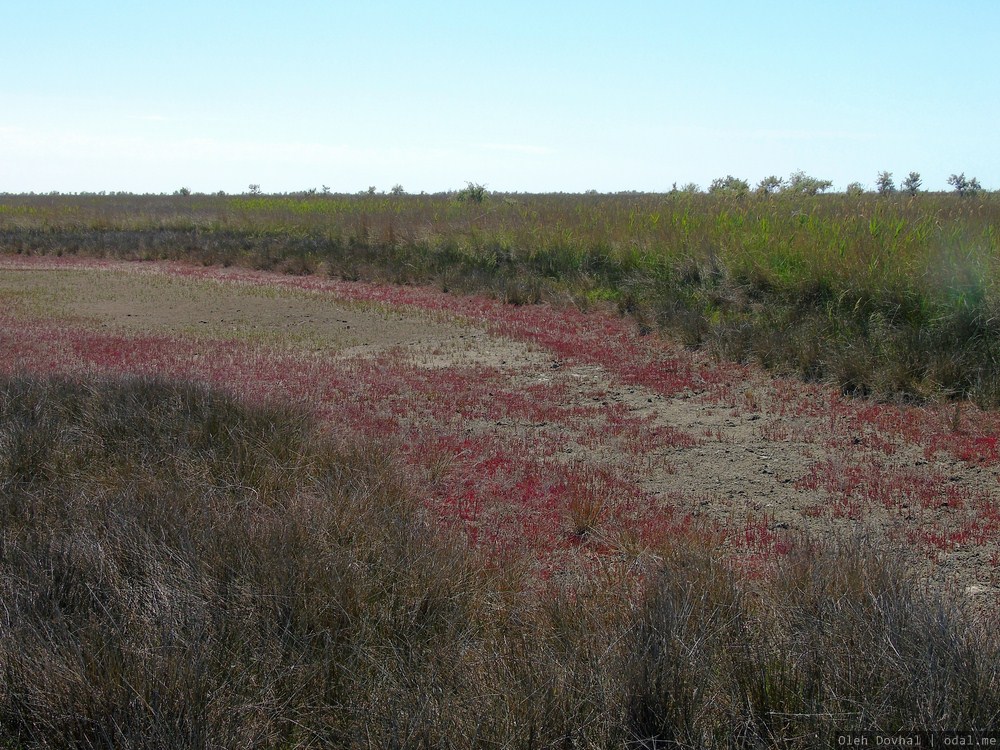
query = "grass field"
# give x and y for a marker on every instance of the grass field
(886, 295)
(313, 508)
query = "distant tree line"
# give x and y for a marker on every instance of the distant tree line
(797, 183)
(800, 183)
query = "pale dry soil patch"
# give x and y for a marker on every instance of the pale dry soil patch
(747, 463)
(152, 303)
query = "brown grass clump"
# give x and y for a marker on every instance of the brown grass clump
(182, 570)
(839, 640)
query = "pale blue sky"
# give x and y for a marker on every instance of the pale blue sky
(519, 96)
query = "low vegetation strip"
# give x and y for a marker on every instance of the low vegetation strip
(892, 295)
(183, 569)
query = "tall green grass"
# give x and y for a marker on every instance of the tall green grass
(182, 570)
(893, 295)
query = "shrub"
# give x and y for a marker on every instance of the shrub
(801, 183)
(912, 183)
(729, 186)
(963, 186)
(472, 193)
(770, 185)
(885, 184)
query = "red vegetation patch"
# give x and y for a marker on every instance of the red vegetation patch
(523, 466)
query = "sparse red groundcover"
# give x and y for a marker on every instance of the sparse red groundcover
(514, 490)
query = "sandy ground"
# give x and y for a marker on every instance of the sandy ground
(747, 460)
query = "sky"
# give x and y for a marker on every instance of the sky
(519, 96)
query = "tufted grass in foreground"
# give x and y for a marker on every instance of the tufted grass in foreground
(184, 570)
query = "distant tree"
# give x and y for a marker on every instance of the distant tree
(801, 183)
(964, 186)
(912, 183)
(397, 189)
(770, 185)
(326, 190)
(182, 191)
(472, 193)
(729, 186)
(254, 189)
(884, 183)
(855, 189)
(691, 188)
(371, 190)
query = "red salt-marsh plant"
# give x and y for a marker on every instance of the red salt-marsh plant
(506, 491)
(507, 485)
